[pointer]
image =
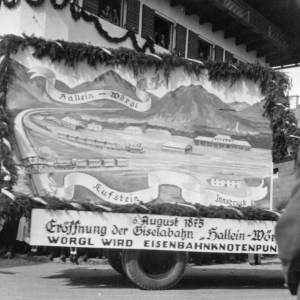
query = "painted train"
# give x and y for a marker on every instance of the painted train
(90, 163)
(132, 148)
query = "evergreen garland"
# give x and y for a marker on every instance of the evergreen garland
(35, 3)
(73, 53)
(8, 170)
(283, 123)
(10, 3)
(23, 204)
(59, 6)
(77, 13)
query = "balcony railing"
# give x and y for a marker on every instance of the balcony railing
(260, 23)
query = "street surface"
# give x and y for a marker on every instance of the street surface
(21, 278)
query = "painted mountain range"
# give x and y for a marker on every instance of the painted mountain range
(190, 107)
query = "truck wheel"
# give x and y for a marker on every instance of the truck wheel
(154, 270)
(114, 257)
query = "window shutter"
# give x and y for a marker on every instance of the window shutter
(228, 56)
(193, 45)
(148, 22)
(133, 15)
(180, 39)
(91, 6)
(219, 53)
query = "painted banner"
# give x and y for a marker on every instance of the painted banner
(190, 191)
(107, 134)
(81, 98)
(156, 232)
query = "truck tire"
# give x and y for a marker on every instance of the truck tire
(154, 270)
(114, 257)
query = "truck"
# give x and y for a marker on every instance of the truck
(203, 195)
(149, 249)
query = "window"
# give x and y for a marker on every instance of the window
(229, 56)
(112, 10)
(198, 48)
(157, 27)
(204, 49)
(163, 32)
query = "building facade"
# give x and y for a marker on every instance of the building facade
(133, 130)
(222, 141)
(72, 123)
(226, 180)
(176, 147)
(219, 30)
(94, 127)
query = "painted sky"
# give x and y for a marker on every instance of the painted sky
(242, 91)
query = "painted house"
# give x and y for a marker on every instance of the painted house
(72, 123)
(204, 141)
(226, 180)
(133, 130)
(176, 147)
(222, 141)
(241, 145)
(94, 127)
